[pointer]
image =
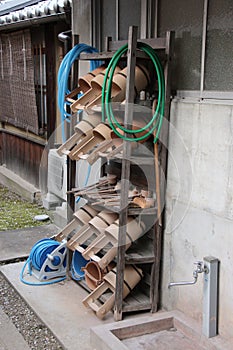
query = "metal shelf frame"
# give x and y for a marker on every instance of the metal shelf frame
(164, 47)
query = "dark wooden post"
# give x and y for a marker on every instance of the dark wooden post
(159, 227)
(131, 62)
(51, 80)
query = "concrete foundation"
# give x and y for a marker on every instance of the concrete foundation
(19, 185)
(162, 331)
(199, 208)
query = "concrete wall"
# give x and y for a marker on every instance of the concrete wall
(199, 213)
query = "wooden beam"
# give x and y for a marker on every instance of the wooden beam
(163, 145)
(50, 81)
(128, 119)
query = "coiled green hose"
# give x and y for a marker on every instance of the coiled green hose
(156, 121)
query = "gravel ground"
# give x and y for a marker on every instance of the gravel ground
(35, 333)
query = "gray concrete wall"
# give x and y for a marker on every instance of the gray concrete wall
(199, 212)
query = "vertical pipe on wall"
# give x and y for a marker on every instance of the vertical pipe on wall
(117, 18)
(149, 19)
(50, 52)
(156, 18)
(96, 24)
(41, 87)
(143, 28)
(210, 297)
(203, 49)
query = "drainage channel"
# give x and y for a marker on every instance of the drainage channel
(13, 261)
(28, 324)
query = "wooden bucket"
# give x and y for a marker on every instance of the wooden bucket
(132, 276)
(141, 82)
(93, 95)
(102, 220)
(87, 123)
(85, 214)
(94, 274)
(100, 133)
(134, 230)
(84, 84)
(85, 81)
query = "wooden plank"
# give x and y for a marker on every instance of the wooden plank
(109, 54)
(138, 160)
(131, 63)
(141, 251)
(137, 300)
(155, 43)
(71, 165)
(24, 157)
(138, 307)
(138, 259)
(51, 81)
(155, 275)
(143, 328)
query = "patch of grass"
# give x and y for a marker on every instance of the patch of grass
(16, 213)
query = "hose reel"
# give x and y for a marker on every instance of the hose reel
(46, 262)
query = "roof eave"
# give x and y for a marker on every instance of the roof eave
(33, 21)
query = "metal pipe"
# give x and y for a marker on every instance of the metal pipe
(117, 19)
(143, 28)
(156, 19)
(149, 19)
(66, 39)
(199, 269)
(203, 49)
(210, 297)
(41, 87)
(172, 284)
(96, 24)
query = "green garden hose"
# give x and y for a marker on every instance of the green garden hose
(156, 121)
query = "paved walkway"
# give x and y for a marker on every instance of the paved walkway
(58, 305)
(10, 338)
(18, 243)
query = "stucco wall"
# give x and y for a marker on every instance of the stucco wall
(199, 210)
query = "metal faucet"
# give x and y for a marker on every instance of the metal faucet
(200, 268)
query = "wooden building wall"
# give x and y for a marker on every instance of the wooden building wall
(21, 156)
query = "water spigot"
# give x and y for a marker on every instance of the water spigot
(200, 268)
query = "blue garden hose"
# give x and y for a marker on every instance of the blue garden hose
(63, 78)
(37, 257)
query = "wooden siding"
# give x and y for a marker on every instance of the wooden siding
(23, 157)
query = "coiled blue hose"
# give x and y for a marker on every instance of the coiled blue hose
(37, 257)
(63, 78)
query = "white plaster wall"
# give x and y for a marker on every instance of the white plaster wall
(199, 207)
